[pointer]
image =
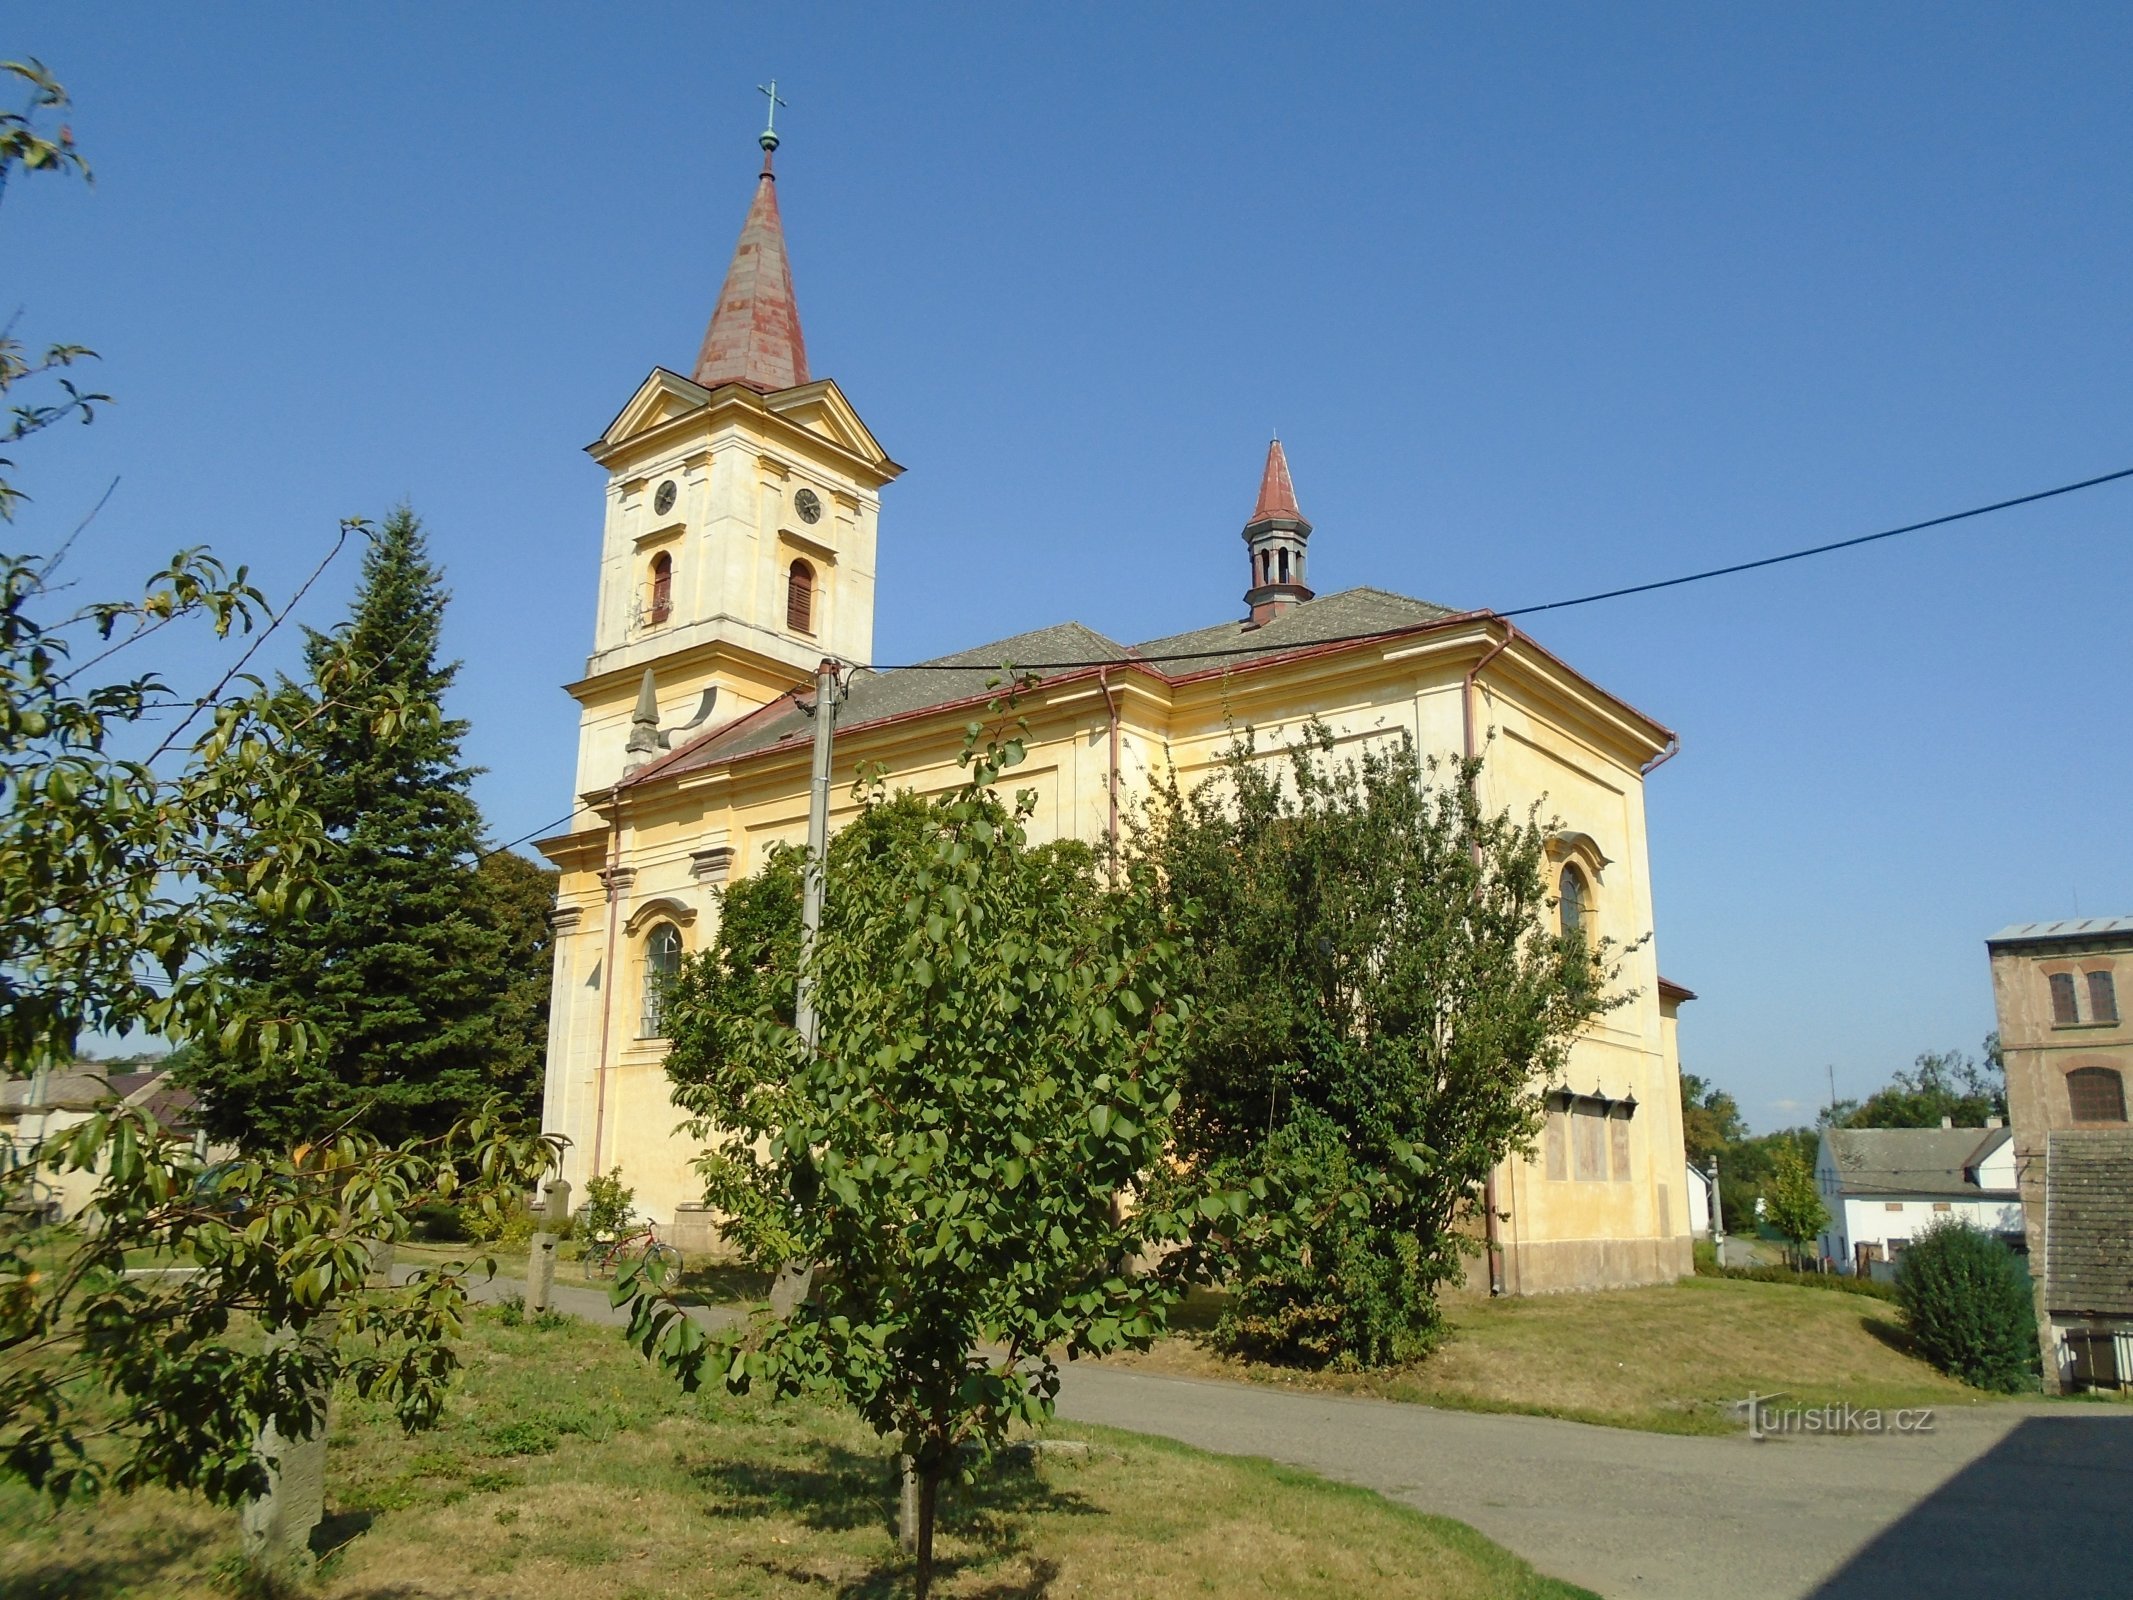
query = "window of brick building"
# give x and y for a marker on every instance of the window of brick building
(2065, 1012)
(800, 598)
(2096, 1094)
(2103, 998)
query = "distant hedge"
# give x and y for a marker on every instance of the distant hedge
(1838, 1281)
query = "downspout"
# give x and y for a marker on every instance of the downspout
(1103, 682)
(607, 980)
(1492, 1224)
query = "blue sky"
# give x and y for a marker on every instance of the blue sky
(1542, 299)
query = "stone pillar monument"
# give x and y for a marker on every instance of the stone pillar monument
(540, 1262)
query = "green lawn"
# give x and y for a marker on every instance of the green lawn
(566, 1467)
(1670, 1358)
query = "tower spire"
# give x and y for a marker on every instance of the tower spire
(1274, 539)
(754, 337)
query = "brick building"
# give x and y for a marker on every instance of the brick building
(2069, 1052)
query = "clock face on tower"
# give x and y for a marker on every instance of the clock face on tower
(663, 499)
(808, 504)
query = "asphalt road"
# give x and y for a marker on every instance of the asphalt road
(1995, 1501)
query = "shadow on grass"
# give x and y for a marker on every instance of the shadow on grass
(1895, 1335)
(1199, 1311)
(843, 1490)
(722, 1285)
(133, 1566)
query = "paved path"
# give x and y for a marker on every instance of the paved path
(1998, 1500)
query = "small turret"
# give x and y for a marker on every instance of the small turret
(1274, 540)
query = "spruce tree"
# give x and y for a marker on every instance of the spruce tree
(397, 975)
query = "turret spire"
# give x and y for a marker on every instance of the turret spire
(1274, 541)
(754, 337)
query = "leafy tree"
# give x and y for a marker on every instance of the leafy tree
(961, 1155)
(516, 897)
(1381, 1001)
(396, 980)
(118, 1381)
(138, 825)
(1710, 1119)
(1941, 1083)
(1968, 1302)
(1792, 1204)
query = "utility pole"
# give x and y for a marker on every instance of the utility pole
(818, 805)
(1718, 1215)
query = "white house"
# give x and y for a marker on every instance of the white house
(1886, 1186)
(36, 1108)
(1695, 1188)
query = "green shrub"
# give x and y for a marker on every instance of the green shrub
(440, 1222)
(609, 1207)
(1707, 1267)
(1349, 1289)
(1967, 1297)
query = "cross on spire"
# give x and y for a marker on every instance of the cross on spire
(769, 138)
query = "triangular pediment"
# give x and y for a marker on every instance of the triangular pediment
(659, 400)
(821, 408)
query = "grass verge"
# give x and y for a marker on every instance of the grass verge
(565, 1466)
(1670, 1359)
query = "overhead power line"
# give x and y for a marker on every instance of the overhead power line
(1551, 605)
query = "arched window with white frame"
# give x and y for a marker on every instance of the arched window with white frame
(662, 966)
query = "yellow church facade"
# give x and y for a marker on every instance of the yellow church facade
(739, 552)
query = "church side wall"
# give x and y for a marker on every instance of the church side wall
(1562, 1233)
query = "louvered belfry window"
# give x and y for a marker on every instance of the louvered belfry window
(2064, 1012)
(2103, 998)
(662, 587)
(2096, 1094)
(800, 598)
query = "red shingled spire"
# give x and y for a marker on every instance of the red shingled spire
(754, 337)
(1275, 543)
(1277, 495)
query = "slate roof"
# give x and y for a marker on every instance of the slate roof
(1921, 1161)
(2088, 1221)
(970, 674)
(85, 1088)
(2073, 928)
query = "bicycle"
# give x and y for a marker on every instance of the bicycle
(605, 1256)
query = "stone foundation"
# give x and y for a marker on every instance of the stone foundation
(1560, 1266)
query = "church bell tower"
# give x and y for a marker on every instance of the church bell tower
(742, 500)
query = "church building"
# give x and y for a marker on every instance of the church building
(739, 553)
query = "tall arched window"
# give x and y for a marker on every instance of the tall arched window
(1572, 903)
(800, 598)
(662, 587)
(662, 965)
(2065, 1009)
(2096, 1094)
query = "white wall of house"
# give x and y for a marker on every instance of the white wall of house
(1887, 1219)
(1693, 1184)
